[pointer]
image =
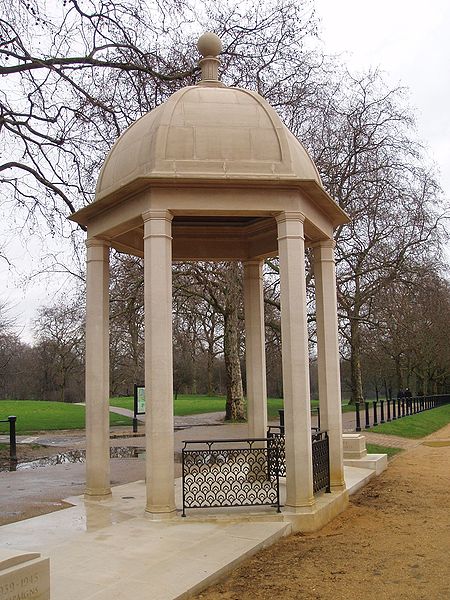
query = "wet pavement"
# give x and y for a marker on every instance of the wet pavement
(38, 486)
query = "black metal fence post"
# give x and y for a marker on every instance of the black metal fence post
(281, 415)
(366, 406)
(328, 487)
(375, 415)
(388, 399)
(382, 412)
(12, 438)
(358, 417)
(403, 407)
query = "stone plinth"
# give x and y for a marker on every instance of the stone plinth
(355, 454)
(24, 576)
(354, 445)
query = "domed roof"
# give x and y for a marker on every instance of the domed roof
(208, 131)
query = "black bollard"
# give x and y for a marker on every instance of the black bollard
(12, 438)
(403, 407)
(358, 417)
(135, 425)
(388, 400)
(375, 416)
(382, 412)
(366, 404)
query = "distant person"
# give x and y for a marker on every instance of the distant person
(408, 398)
(401, 394)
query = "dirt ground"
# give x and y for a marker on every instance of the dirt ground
(392, 542)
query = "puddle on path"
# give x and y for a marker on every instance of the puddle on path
(71, 456)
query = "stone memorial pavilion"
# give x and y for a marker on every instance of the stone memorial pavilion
(214, 174)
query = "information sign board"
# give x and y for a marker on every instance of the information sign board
(139, 400)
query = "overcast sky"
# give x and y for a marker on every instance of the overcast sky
(408, 40)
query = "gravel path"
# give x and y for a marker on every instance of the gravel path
(393, 542)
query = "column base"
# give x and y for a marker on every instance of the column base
(154, 514)
(97, 493)
(307, 506)
(337, 486)
(312, 518)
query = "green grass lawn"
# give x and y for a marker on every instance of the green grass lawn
(377, 449)
(417, 426)
(183, 405)
(35, 415)
(187, 404)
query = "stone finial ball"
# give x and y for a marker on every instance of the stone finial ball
(209, 44)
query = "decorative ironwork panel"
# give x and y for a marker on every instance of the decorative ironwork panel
(226, 473)
(321, 461)
(276, 434)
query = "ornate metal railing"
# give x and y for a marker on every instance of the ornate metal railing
(230, 472)
(320, 456)
(321, 461)
(276, 434)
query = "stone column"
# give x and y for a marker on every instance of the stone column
(98, 483)
(158, 363)
(328, 357)
(295, 360)
(255, 351)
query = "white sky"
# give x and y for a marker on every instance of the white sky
(408, 40)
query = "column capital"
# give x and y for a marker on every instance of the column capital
(324, 251)
(157, 223)
(290, 216)
(97, 250)
(96, 243)
(290, 225)
(330, 243)
(253, 262)
(150, 215)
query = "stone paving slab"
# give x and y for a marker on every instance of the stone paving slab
(98, 551)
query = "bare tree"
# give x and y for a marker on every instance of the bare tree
(76, 74)
(220, 286)
(59, 330)
(371, 163)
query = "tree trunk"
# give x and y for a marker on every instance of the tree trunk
(399, 372)
(210, 368)
(235, 397)
(355, 363)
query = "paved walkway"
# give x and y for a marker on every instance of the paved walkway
(110, 550)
